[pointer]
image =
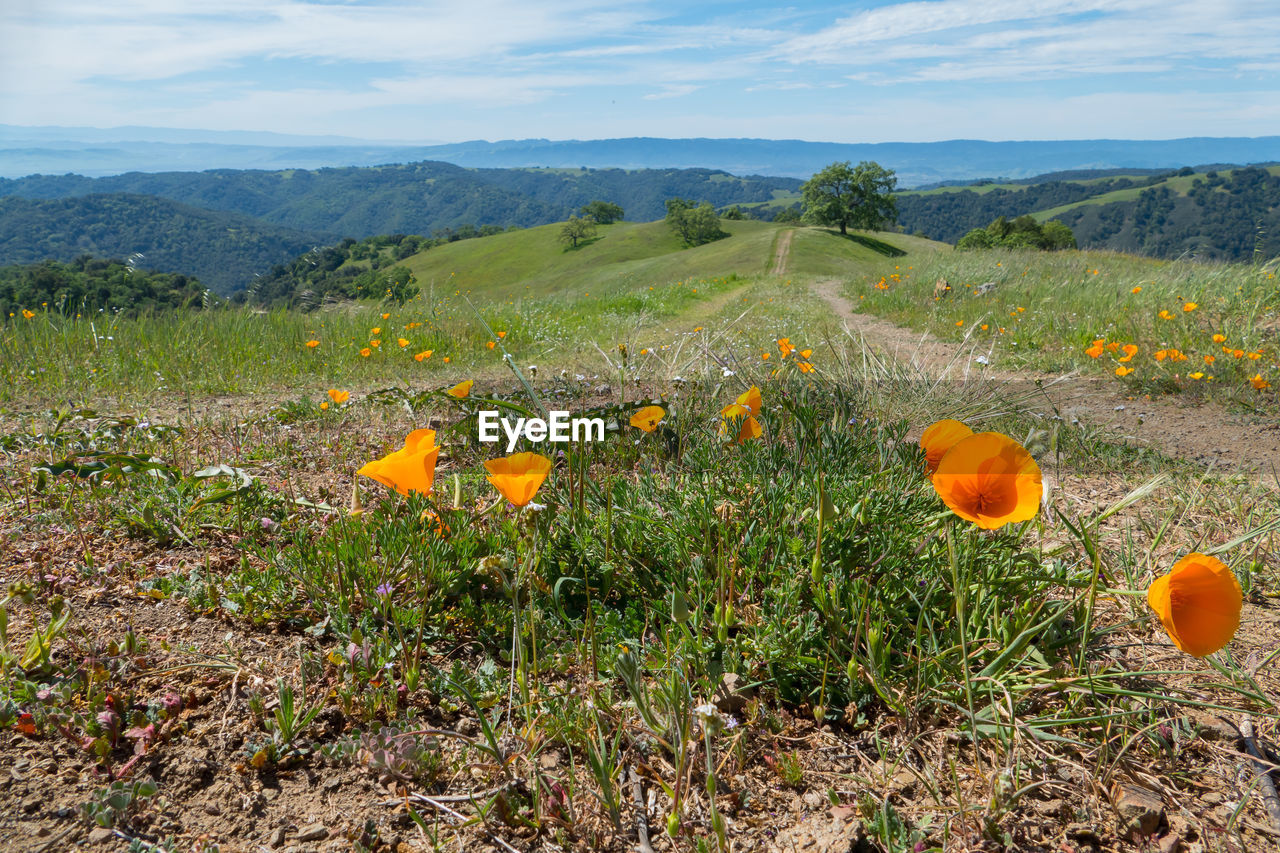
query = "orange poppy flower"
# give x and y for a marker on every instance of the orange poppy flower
(366, 352)
(749, 430)
(462, 389)
(375, 343)
(1190, 306)
(518, 477)
(386, 316)
(764, 356)
(1136, 289)
(312, 344)
(806, 353)
(403, 342)
(339, 397)
(1198, 603)
(784, 345)
(324, 405)
(1094, 351)
(425, 354)
(1114, 346)
(1208, 359)
(1217, 339)
(28, 314)
(939, 438)
(1258, 382)
(490, 344)
(376, 330)
(989, 479)
(412, 468)
(1161, 354)
(805, 367)
(1123, 371)
(749, 402)
(1165, 315)
(1197, 375)
(648, 418)
(501, 335)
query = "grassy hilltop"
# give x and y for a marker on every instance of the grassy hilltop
(751, 621)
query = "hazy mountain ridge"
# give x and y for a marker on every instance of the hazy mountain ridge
(26, 151)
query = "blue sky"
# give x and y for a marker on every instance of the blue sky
(586, 69)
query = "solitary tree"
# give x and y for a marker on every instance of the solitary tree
(695, 223)
(577, 229)
(851, 196)
(603, 212)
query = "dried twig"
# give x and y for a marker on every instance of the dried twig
(642, 819)
(1264, 768)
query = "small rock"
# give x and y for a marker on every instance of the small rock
(277, 837)
(732, 696)
(1141, 811)
(1213, 728)
(32, 804)
(812, 799)
(1084, 834)
(466, 727)
(1213, 798)
(549, 760)
(332, 784)
(100, 835)
(212, 809)
(313, 832)
(603, 390)
(270, 794)
(1170, 843)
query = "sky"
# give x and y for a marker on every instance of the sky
(431, 71)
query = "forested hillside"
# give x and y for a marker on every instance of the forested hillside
(1217, 215)
(417, 198)
(90, 285)
(223, 250)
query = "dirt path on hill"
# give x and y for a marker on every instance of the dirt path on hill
(1208, 434)
(780, 255)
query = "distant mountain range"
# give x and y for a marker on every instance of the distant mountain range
(96, 152)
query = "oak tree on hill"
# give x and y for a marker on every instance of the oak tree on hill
(577, 229)
(603, 212)
(851, 196)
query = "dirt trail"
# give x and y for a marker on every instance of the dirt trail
(1207, 434)
(780, 255)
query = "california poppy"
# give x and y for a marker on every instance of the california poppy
(411, 468)
(749, 430)
(749, 402)
(518, 477)
(939, 438)
(989, 479)
(312, 344)
(403, 342)
(1094, 351)
(490, 344)
(784, 345)
(648, 418)
(425, 354)
(365, 352)
(1198, 603)
(1130, 350)
(462, 389)
(339, 397)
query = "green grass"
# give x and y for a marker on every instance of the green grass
(580, 641)
(1065, 305)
